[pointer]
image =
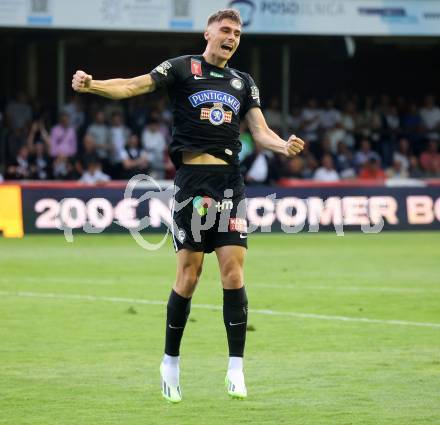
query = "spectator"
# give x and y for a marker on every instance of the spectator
(348, 120)
(310, 120)
(138, 112)
(324, 148)
(398, 143)
(364, 154)
(336, 135)
(391, 122)
(62, 169)
(41, 164)
(100, 132)
(38, 134)
(164, 113)
(260, 167)
(330, 116)
(88, 154)
(19, 112)
(415, 172)
(390, 131)
(119, 135)
(295, 120)
(94, 173)
(63, 138)
(344, 162)
(430, 114)
(412, 122)
(294, 168)
(402, 154)
(74, 109)
(430, 159)
(371, 170)
(368, 121)
(326, 172)
(156, 115)
(397, 171)
(14, 141)
(134, 158)
(113, 108)
(19, 167)
(155, 144)
(310, 162)
(273, 114)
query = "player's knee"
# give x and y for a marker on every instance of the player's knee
(232, 278)
(187, 279)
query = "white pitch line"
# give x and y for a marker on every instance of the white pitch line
(346, 288)
(307, 287)
(216, 307)
(60, 279)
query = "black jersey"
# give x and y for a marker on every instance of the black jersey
(207, 104)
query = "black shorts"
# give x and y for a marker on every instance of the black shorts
(209, 208)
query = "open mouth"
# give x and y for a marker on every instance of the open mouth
(226, 48)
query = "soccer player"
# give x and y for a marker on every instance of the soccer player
(208, 101)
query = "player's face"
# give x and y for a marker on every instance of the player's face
(223, 38)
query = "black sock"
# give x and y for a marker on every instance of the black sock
(178, 309)
(235, 308)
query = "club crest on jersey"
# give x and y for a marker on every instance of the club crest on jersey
(216, 115)
(237, 83)
(214, 96)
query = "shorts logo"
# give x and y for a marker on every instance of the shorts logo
(163, 68)
(238, 225)
(202, 204)
(216, 115)
(181, 235)
(214, 96)
(237, 83)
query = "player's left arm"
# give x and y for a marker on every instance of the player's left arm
(268, 139)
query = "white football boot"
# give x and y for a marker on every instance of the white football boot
(169, 379)
(234, 380)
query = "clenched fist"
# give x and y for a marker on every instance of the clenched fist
(294, 146)
(81, 82)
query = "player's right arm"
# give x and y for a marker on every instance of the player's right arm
(117, 88)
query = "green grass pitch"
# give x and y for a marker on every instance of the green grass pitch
(81, 332)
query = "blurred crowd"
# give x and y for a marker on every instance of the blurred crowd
(347, 137)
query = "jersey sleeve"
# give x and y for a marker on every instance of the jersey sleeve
(252, 97)
(166, 74)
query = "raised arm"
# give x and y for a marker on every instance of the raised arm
(117, 88)
(268, 139)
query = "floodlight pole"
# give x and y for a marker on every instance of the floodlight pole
(61, 94)
(285, 89)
